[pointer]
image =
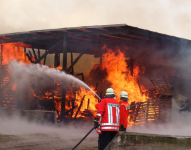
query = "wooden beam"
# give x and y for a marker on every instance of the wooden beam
(23, 37)
(38, 53)
(64, 65)
(30, 54)
(1, 56)
(72, 72)
(56, 60)
(75, 61)
(81, 75)
(88, 103)
(25, 53)
(1, 65)
(79, 107)
(45, 58)
(34, 53)
(131, 64)
(73, 106)
(47, 52)
(29, 57)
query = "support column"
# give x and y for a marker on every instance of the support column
(64, 65)
(44, 58)
(1, 80)
(56, 60)
(1, 57)
(72, 70)
(131, 65)
(1, 65)
(25, 51)
(38, 53)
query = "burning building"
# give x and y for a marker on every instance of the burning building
(123, 57)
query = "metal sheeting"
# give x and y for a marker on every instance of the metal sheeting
(79, 37)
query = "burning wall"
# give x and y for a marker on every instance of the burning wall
(42, 91)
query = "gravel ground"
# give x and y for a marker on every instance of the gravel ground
(44, 142)
(19, 134)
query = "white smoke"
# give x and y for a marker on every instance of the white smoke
(165, 16)
(178, 125)
(23, 132)
(38, 76)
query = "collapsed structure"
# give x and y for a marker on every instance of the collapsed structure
(151, 52)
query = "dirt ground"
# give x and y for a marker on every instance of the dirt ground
(19, 134)
(44, 142)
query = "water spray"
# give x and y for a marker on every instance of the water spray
(37, 70)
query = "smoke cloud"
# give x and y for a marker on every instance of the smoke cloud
(165, 16)
(179, 124)
(37, 136)
(170, 17)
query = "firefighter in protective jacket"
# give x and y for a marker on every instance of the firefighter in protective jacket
(124, 110)
(108, 116)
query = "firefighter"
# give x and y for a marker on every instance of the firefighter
(124, 110)
(108, 114)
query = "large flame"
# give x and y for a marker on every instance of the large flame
(14, 51)
(120, 77)
(8, 52)
(80, 101)
(89, 100)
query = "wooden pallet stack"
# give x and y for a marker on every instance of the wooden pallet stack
(7, 90)
(155, 110)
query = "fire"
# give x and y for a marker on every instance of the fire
(8, 52)
(120, 76)
(89, 101)
(80, 102)
(14, 51)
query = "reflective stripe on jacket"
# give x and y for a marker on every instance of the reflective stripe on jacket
(108, 111)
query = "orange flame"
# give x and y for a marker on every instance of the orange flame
(13, 51)
(89, 96)
(120, 76)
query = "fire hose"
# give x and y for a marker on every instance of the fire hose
(84, 138)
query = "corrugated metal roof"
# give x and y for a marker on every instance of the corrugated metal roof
(79, 37)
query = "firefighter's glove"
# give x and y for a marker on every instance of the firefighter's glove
(121, 127)
(96, 124)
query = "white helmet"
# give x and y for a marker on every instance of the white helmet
(110, 93)
(124, 95)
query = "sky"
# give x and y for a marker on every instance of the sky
(170, 17)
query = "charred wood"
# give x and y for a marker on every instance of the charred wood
(81, 75)
(76, 60)
(96, 86)
(139, 86)
(87, 113)
(47, 52)
(100, 96)
(79, 107)
(45, 58)
(56, 60)
(73, 107)
(72, 70)
(25, 53)
(70, 112)
(38, 53)
(88, 103)
(29, 57)
(30, 54)
(64, 65)
(34, 53)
